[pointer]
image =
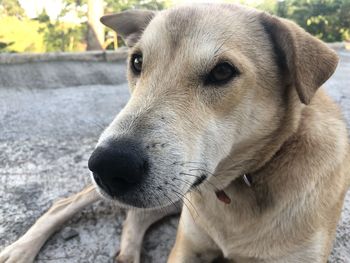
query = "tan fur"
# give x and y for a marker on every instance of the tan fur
(271, 121)
(300, 174)
(292, 142)
(306, 182)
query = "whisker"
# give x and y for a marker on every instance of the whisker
(208, 172)
(161, 207)
(208, 183)
(194, 175)
(183, 163)
(201, 169)
(181, 196)
(172, 203)
(184, 181)
(185, 198)
(192, 187)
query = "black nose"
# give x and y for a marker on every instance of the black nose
(118, 166)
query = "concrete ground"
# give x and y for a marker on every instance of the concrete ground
(51, 114)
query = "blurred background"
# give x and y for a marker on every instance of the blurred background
(39, 26)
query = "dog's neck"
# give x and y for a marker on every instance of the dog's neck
(247, 159)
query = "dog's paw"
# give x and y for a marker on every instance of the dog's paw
(17, 253)
(123, 258)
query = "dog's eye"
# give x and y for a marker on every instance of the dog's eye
(221, 74)
(136, 63)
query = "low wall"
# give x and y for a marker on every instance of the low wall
(98, 56)
(120, 54)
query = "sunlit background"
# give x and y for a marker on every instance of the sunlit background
(73, 25)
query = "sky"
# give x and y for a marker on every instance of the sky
(53, 7)
(35, 7)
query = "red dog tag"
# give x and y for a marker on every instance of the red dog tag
(222, 196)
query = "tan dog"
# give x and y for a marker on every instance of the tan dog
(226, 114)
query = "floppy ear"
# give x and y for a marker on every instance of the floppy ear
(129, 24)
(306, 61)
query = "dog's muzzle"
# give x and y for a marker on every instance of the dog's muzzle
(118, 166)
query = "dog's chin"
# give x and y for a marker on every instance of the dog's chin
(119, 203)
(132, 202)
(136, 203)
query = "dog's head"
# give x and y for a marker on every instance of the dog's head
(207, 83)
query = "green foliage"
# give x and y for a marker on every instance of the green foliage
(328, 20)
(121, 5)
(4, 47)
(20, 35)
(269, 6)
(11, 8)
(113, 6)
(60, 36)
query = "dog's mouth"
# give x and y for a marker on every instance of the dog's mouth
(124, 171)
(107, 193)
(132, 199)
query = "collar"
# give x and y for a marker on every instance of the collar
(247, 178)
(223, 197)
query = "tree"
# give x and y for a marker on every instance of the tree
(113, 6)
(329, 20)
(95, 30)
(60, 36)
(12, 8)
(92, 28)
(4, 46)
(95, 33)
(122, 5)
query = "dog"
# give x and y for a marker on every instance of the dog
(226, 115)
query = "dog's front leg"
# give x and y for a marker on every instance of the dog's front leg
(25, 249)
(192, 243)
(135, 226)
